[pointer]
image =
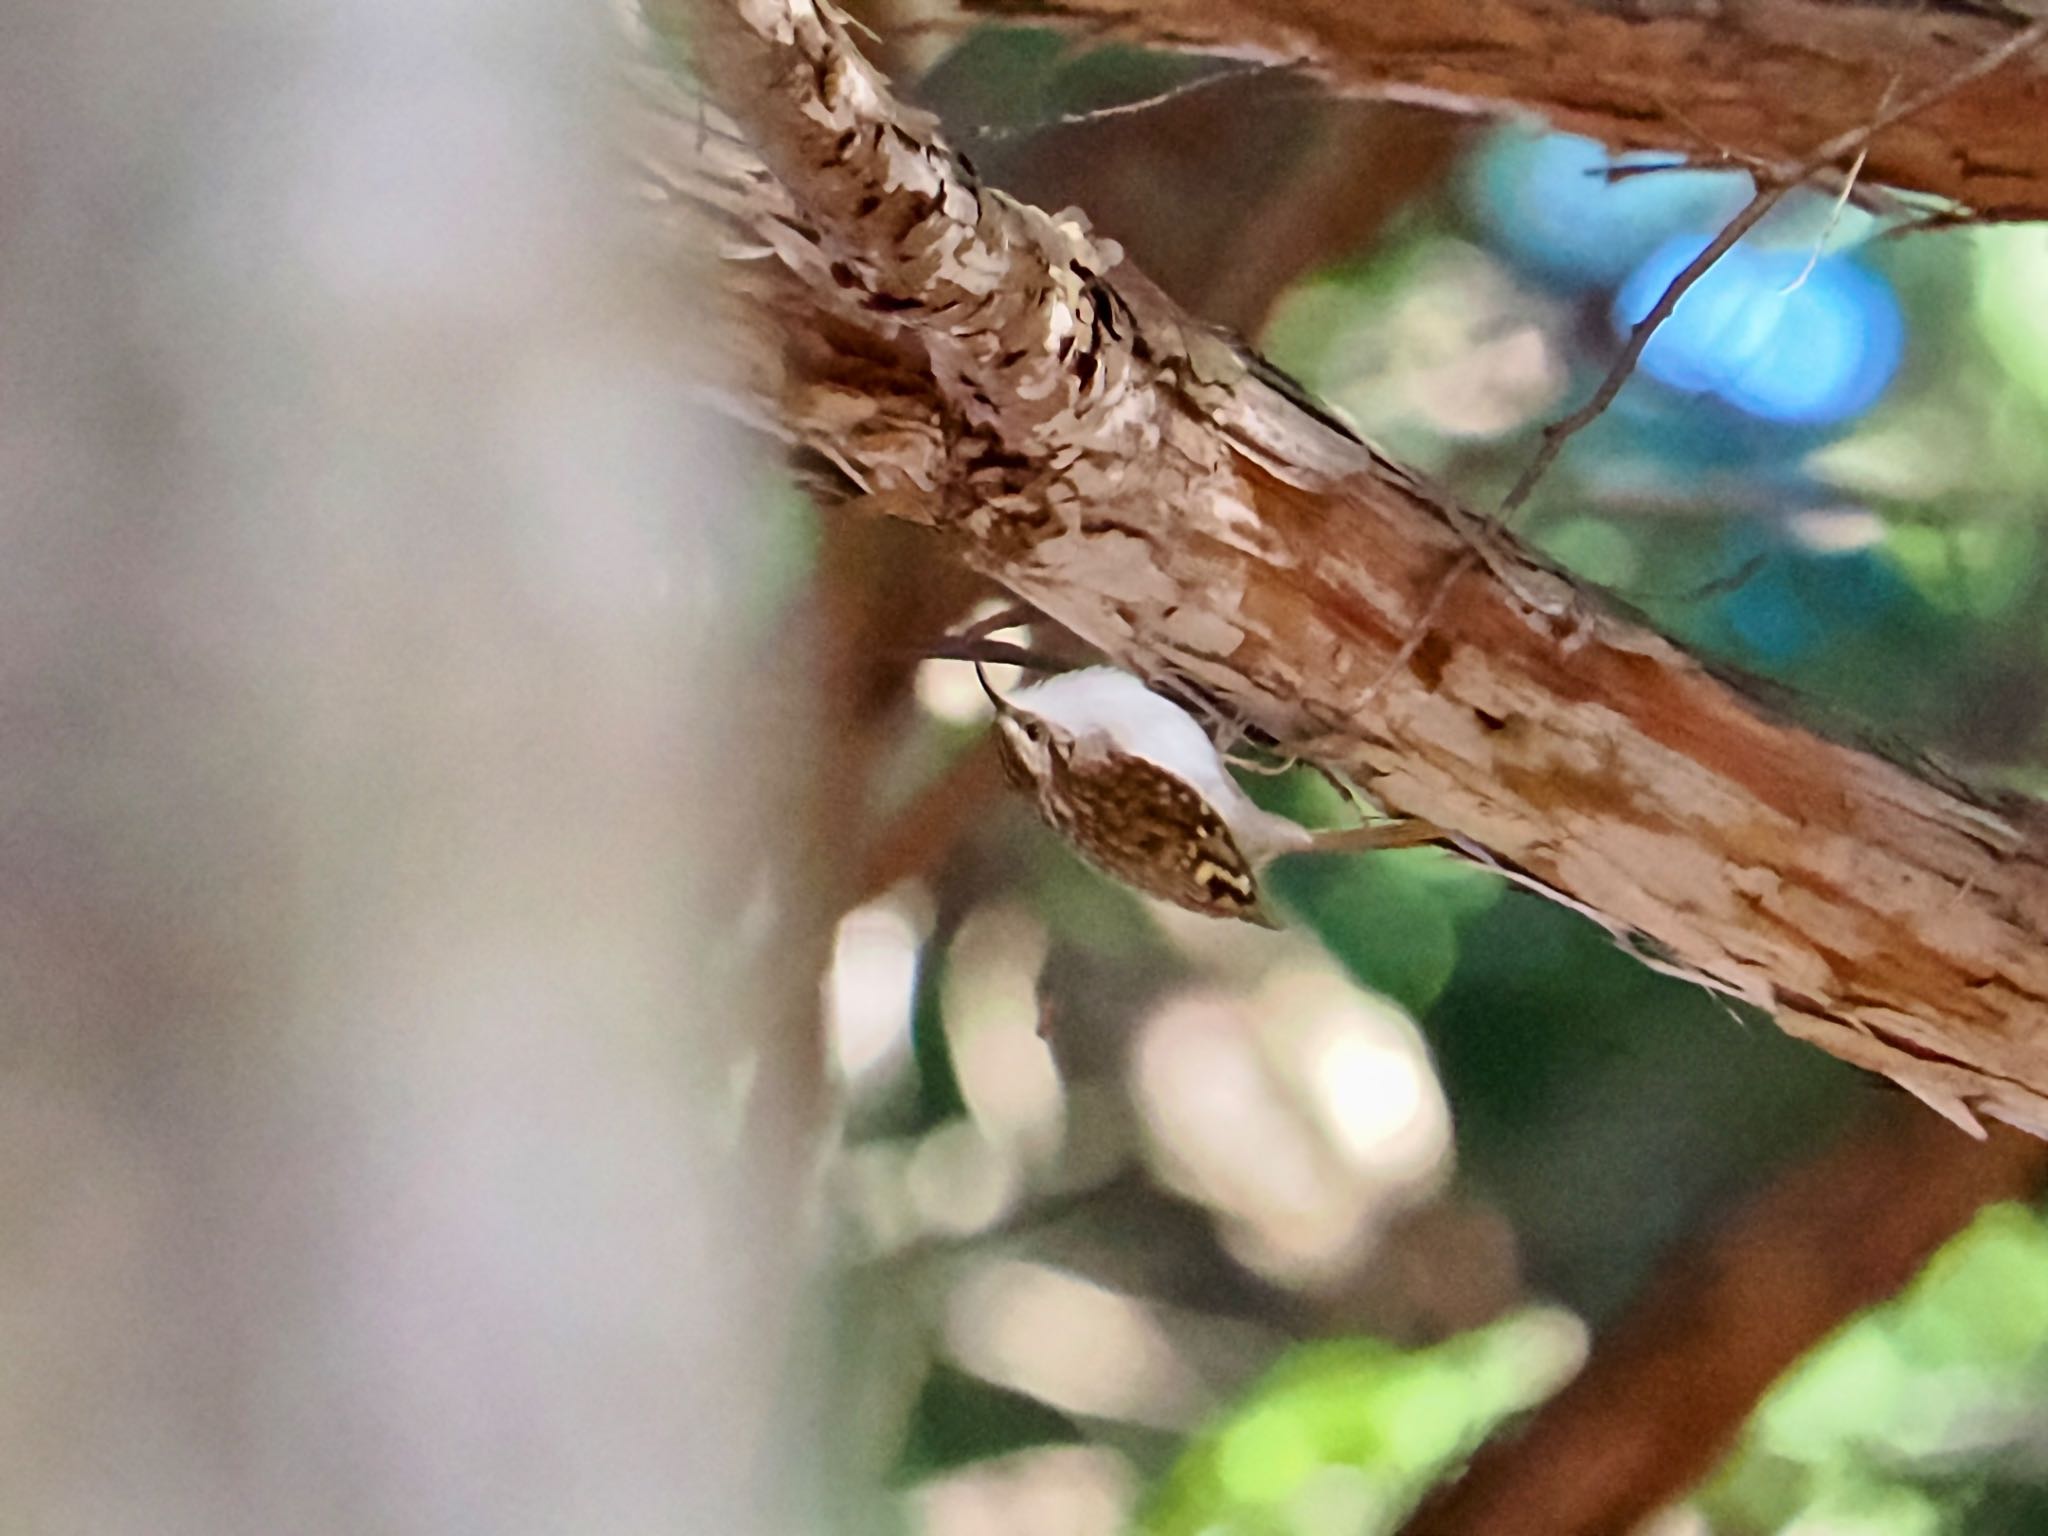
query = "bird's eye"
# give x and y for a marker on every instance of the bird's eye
(1035, 730)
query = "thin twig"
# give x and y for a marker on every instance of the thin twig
(1713, 586)
(1381, 836)
(1467, 560)
(1561, 431)
(1820, 245)
(1827, 232)
(996, 134)
(1012, 616)
(995, 653)
(1614, 172)
(1882, 202)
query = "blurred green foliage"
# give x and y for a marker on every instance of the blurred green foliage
(1341, 1438)
(1921, 1416)
(958, 1419)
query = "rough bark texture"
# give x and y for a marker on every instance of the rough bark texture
(1766, 80)
(992, 372)
(1670, 1386)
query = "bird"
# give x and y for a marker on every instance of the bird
(1135, 784)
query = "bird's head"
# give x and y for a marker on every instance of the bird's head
(1026, 743)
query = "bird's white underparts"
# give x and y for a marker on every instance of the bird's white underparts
(1135, 783)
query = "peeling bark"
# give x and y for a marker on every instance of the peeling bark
(993, 372)
(1763, 80)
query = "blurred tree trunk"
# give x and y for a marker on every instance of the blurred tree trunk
(406, 932)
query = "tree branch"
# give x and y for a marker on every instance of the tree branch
(1147, 482)
(1669, 1387)
(1649, 77)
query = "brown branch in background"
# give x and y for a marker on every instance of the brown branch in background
(1668, 1387)
(1227, 191)
(1856, 141)
(1364, 163)
(918, 838)
(1759, 81)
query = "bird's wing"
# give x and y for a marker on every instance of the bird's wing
(1151, 830)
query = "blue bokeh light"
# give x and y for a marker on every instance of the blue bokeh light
(1545, 199)
(1752, 332)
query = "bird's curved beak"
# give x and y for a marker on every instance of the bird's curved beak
(989, 688)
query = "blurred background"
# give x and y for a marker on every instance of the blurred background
(527, 1006)
(1155, 1225)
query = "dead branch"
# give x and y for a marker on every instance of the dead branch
(1148, 483)
(1669, 1387)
